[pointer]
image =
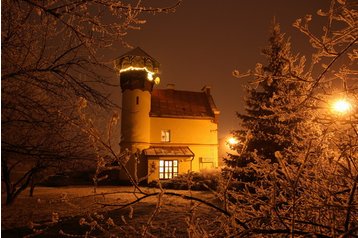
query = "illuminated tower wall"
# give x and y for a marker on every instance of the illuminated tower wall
(137, 71)
(135, 119)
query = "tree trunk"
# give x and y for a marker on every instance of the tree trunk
(32, 187)
(9, 199)
(13, 190)
(5, 177)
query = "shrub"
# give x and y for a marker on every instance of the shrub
(83, 177)
(199, 181)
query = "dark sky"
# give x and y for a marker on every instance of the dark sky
(205, 40)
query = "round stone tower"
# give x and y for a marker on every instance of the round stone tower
(138, 74)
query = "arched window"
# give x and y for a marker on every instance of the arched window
(137, 100)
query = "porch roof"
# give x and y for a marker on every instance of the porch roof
(168, 151)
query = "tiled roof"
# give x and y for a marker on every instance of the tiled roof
(176, 151)
(175, 103)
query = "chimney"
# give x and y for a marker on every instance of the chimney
(206, 89)
(170, 86)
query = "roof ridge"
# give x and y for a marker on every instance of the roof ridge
(137, 52)
(169, 89)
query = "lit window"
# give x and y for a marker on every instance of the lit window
(165, 136)
(168, 169)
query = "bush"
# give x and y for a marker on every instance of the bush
(199, 181)
(84, 177)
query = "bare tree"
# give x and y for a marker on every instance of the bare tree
(50, 58)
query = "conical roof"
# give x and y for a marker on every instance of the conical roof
(138, 52)
(136, 58)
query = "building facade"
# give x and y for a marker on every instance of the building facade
(172, 131)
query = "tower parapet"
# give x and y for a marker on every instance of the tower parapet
(137, 70)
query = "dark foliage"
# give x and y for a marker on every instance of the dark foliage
(194, 181)
(268, 126)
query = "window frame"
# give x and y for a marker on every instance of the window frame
(166, 137)
(168, 169)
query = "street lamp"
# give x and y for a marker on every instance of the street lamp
(341, 106)
(232, 141)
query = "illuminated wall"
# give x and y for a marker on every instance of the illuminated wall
(135, 126)
(199, 134)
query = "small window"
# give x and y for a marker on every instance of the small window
(168, 169)
(137, 100)
(165, 136)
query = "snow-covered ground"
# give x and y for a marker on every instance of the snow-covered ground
(61, 203)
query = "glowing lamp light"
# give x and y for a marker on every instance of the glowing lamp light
(157, 80)
(150, 76)
(149, 73)
(232, 141)
(341, 106)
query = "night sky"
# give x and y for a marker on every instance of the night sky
(205, 40)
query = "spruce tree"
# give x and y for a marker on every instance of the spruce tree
(296, 167)
(270, 123)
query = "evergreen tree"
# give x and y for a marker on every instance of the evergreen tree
(296, 168)
(270, 124)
